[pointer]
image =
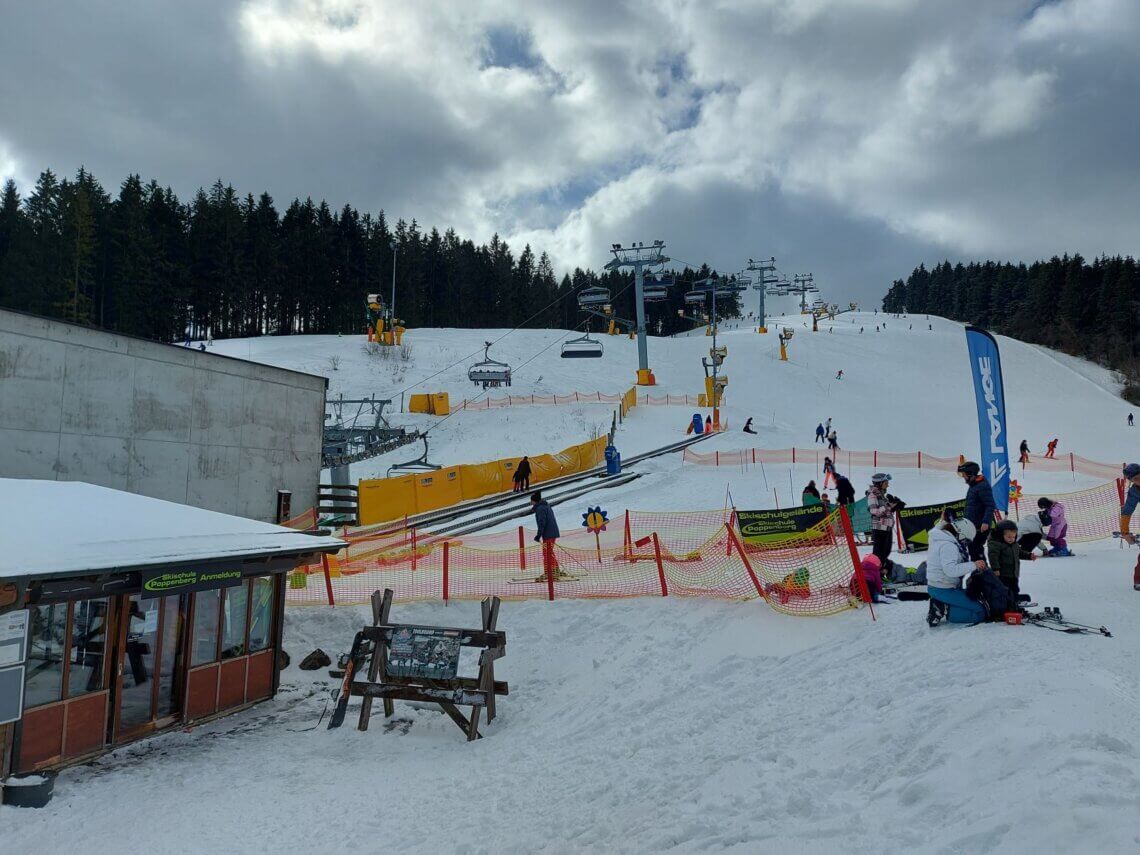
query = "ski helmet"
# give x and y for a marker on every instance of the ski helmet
(970, 469)
(880, 477)
(1131, 470)
(964, 528)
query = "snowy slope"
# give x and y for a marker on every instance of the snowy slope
(657, 725)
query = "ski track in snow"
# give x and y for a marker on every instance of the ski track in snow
(667, 724)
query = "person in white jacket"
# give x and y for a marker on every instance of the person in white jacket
(947, 562)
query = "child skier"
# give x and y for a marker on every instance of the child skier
(748, 426)
(832, 442)
(1053, 514)
(1024, 449)
(1030, 533)
(828, 472)
(1052, 448)
(872, 569)
(820, 433)
(1006, 555)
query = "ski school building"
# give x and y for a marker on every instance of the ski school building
(123, 615)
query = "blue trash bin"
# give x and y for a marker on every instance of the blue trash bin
(698, 423)
(613, 461)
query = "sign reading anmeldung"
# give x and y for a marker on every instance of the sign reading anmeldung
(776, 525)
(159, 583)
(424, 651)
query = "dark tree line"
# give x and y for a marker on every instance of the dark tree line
(1084, 309)
(144, 262)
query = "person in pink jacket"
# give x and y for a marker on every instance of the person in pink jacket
(1052, 514)
(872, 569)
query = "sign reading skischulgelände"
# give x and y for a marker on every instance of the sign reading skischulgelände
(776, 525)
(159, 583)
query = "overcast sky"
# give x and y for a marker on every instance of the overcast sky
(850, 138)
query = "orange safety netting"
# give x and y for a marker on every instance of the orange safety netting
(1092, 514)
(848, 460)
(303, 521)
(573, 398)
(697, 554)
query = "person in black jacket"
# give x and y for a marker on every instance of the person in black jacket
(547, 533)
(523, 473)
(844, 490)
(980, 506)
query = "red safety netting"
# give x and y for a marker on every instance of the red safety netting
(848, 460)
(696, 554)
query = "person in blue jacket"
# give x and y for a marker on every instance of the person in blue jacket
(547, 533)
(980, 506)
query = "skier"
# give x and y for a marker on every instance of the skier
(839, 375)
(1006, 554)
(882, 507)
(1024, 449)
(820, 433)
(548, 534)
(930, 327)
(860, 330)
(845, 490)
(980, 505)
(825, 500)
(1130, 419)
(832, 442)
(748, 426)
(1052, 448)
(1053, 514)
(1131, 499)
(947, 561)
(811, 494)
(522, 473)
(829, 471)
(827, 426)
(202, 346)
(708, 424)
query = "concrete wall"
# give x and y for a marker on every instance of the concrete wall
(80, 404)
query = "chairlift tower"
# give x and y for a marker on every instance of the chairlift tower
(803, 285)
(768, 277)
(638, 257)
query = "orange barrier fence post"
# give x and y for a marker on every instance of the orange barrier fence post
(413, 549)
(446, 569)
(920, 460)
(660, 566)
(628, 544)
(732, 541)
(522, 549)
(328, 577)
(864, 592)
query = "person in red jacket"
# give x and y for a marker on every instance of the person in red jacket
(1052, 448)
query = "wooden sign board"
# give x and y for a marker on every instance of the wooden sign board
(428, 652)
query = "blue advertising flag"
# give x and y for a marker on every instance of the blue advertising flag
(989, 391)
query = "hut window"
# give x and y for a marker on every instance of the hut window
(43, 682)
(234, 621)
(88, 647)
(206, 606)
(261, 615)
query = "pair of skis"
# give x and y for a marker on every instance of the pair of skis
(1051, 619)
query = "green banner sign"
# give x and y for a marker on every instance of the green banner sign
(160, 583)
(777, 525)
(916, 520)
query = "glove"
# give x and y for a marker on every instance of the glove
(537, 538)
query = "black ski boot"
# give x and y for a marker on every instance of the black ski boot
(936, 613)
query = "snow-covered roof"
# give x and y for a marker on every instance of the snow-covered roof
(58, 527)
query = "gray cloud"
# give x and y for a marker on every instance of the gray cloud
(852, 138)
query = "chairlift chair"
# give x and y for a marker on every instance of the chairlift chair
(654, 293)
(419, 464)
(582, 347)
(489, 372)
(696, 298)
(593, 297)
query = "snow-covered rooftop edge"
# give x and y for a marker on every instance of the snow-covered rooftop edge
(57, 527)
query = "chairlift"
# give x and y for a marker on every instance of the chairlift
(419, 464)
(652, 292)
(490, 372)
(696, 298)
(593, 297)
(582, 347)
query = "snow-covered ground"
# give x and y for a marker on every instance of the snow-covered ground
(657, 724)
